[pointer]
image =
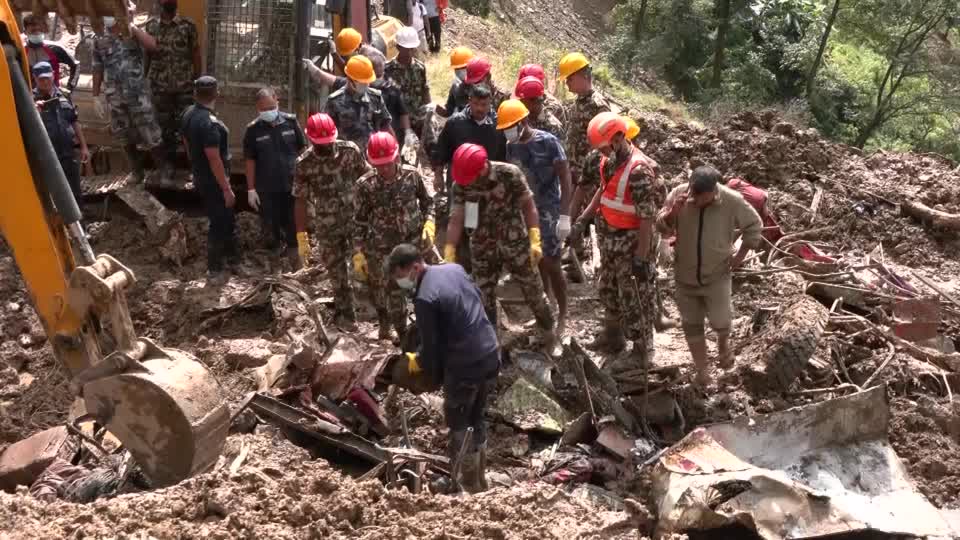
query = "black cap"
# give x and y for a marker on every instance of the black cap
(402, 256)
(704, 179)
(205, 81)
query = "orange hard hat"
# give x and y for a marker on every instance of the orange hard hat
(603, 128)
(510, 112)
(459, 57)
(633, 129)
(347, 41)
(360, 69)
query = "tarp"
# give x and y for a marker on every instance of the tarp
(805, 472)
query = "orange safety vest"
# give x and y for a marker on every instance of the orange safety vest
(616, 202)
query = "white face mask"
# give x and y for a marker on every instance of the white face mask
(108, 22)
(36, 39)
(407, 283)
(461, 73)
(270, 116)
(512, 133)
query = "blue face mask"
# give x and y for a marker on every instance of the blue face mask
(270, 116)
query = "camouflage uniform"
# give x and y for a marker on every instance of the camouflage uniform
(548, 122)
(412, 81)
(387, 214)
(624, 297)
(500, 239)
(127, 90)
(357, 117)
(555, 107)
(329, 182)
(171, 74)
(581, 112)
(498, 96)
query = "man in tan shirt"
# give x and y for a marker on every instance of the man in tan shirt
(707, 217)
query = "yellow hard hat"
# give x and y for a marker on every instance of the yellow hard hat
(347, 41)
(510, 112)
(360, 69)
(459, 57)
(632, 128)
(571, 64)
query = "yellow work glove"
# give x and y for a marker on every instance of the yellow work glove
(429, 233)
(450, 253)
(360, 266)
(303, 247)
(413, 366)
(536, 246)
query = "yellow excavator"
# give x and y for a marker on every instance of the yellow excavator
(162, 404)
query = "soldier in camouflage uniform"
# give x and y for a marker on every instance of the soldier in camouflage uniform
(531, 92)
(118, 61)
(492, 198)
(172, 67)
(392, 207)
(410, 74)
(326, 176)
(357, 109)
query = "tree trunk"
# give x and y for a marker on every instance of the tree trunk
(812, 77)
(723, 16)
(639, 20)
(867, 131)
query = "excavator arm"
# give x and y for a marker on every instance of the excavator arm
(162, 404)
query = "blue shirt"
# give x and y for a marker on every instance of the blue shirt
(537, 158)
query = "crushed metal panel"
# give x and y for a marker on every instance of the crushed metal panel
(806, 472)
(531, 409)
(348, 366)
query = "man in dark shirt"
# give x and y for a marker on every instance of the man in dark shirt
(205, 139)
(476, 124)
(40, 50)
(62, 124)
(458, 350)
(271, 145)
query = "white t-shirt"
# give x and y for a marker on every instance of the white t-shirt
(418, 12)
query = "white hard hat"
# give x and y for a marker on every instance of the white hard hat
(408, 38)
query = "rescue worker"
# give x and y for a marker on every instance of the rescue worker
(459, 93)
(206, 140)
(410, 75)
(171, 68)
(530, 91)
(458, 350)
(271, 145)
(540, 156)
(357, 109)
(62, 124)
(326, 175)
(434, 28)
(491, 198)
(349, 43)
(575, 70)
(392, 207)
(707, 217)
(478, 73)
(661, 322)
(630, 194)
(118, 61)
(40, 50)
(551, 104)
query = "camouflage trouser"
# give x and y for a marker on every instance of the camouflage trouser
(622, 296)
(441, 204)
(386, 296)
(334, 251)
(169, 109)
(132, 121)
(490, 258)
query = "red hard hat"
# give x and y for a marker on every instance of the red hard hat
(468, 161)
(532, 70)
(477, 68)
(321, 129)
(529, 87)
(382, 148)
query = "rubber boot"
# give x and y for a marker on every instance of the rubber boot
(135, 161)
(470, 473)
(610, 339)
(482, 468)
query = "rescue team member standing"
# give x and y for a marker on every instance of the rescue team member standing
(410, 75)
(531, 92)
(271, 145)
(542, 159)
(349, 43)
(707, 217)
(459, 92)
(628, 200)
(458, 350)
(478, 73)
(40, 50)
(61, 122)
(171, 67)
(206, 142)
(551, 104)
(119, 61)
(357, 109)
(492, 199)
(326, 175)
(392, 207)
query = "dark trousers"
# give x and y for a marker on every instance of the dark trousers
(464, 406)
(71, 169)
(276, 209)
(433, 42)
(221, 242)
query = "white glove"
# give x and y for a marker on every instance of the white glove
(410, 146)
(253, 199)
(100, 107)
(563, 228)
(311, 68)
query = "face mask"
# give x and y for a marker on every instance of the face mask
(170, 8)
(108, 22)
(406, 283)
(461, 73)
(512, 133)
(36, 39)
(270, 116)
(360, 88)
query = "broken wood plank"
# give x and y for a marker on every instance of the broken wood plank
(815, 206)
(926, 214)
